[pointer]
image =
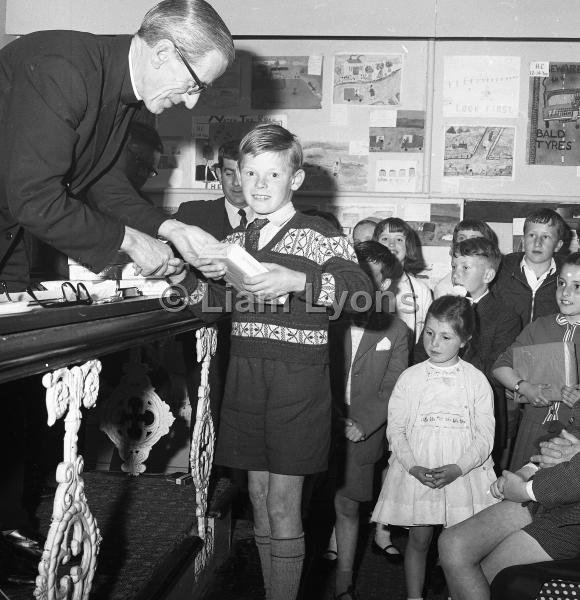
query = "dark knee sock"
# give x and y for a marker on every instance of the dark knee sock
(264, 551)
(287, 561)
(343, 581)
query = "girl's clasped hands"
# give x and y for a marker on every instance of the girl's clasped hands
(436, 478)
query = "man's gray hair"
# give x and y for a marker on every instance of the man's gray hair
(191, 24)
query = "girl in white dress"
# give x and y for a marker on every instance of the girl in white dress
(440, 431)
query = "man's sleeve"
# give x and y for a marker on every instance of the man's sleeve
(46, 108)
(559, 484)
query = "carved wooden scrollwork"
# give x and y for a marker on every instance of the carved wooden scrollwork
(202, 445)
(205, 554)
(69, 559)
(135, 418)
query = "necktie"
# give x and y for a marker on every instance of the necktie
(243, 218)
(253, 234)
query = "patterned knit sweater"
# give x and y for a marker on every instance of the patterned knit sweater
(296, 331)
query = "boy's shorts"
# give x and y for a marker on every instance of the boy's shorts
(275, 417)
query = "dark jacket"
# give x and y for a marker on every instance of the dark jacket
(511, 286)
(210, 215)
(375, 371)
(66, 101)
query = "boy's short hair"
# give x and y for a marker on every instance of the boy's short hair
(268, 137)
(413, 259)
(454, 310)
(228, 150)
(481, 247)
(475, 225)
(547, 216)
(374, 252)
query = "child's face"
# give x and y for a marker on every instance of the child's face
(395, 242)
(540, 242)
(473, 273)
(568, 290)
(268, 181)
(441, 342)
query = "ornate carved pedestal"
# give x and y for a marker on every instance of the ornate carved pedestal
(68, 562)
(202, 447)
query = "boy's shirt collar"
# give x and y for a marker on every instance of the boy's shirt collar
(280, 216)
(478, 299)
(533, 281)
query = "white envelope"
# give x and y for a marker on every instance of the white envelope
(384, 344)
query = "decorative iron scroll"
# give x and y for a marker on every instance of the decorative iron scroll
(202, 444)
(134, 417)
(69, 559)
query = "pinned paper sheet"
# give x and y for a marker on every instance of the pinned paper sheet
(518, 226)
(315, 65)
(358, 147)
(200, 129)
(338, 114)
(383, 118)
(540, 68)
(417, 212)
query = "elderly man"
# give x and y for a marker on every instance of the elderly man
(66, 102)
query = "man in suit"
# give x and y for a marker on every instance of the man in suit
(220, 217)
(66, 101)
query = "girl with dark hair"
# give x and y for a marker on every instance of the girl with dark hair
(440, 430)
(412, 296)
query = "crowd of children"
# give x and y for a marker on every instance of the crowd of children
(436, 375)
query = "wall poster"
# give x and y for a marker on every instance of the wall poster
(554, 116)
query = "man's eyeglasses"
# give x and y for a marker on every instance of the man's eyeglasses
(142, 164)
(199, 86)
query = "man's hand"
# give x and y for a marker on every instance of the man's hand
(445, 475)
(514, 487)
(557, 450)
(189, 240)
(570, 395)
(151, 256)
(211, 268)
(534, 393)
(353, 431)
(423, 474)
(275, 283)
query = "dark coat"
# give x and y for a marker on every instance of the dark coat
(210, 215)
(374, 374)
(512, 288)
(66, 101)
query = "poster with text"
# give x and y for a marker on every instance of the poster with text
(286, 82)
(478, 151)
(481, 86)
(554, 116)
(210, 132)
(330, 166)
(174, 170)
(407, 136)
(367, 79)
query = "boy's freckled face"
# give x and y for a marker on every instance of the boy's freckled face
(568, 290)
(473, 273)
(268, 181)
(540, 242)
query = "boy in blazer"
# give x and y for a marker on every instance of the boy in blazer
(368, 353)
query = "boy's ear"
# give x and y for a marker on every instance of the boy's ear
(297, 179)
(489, 275)
(558, 246)
(386, 284)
